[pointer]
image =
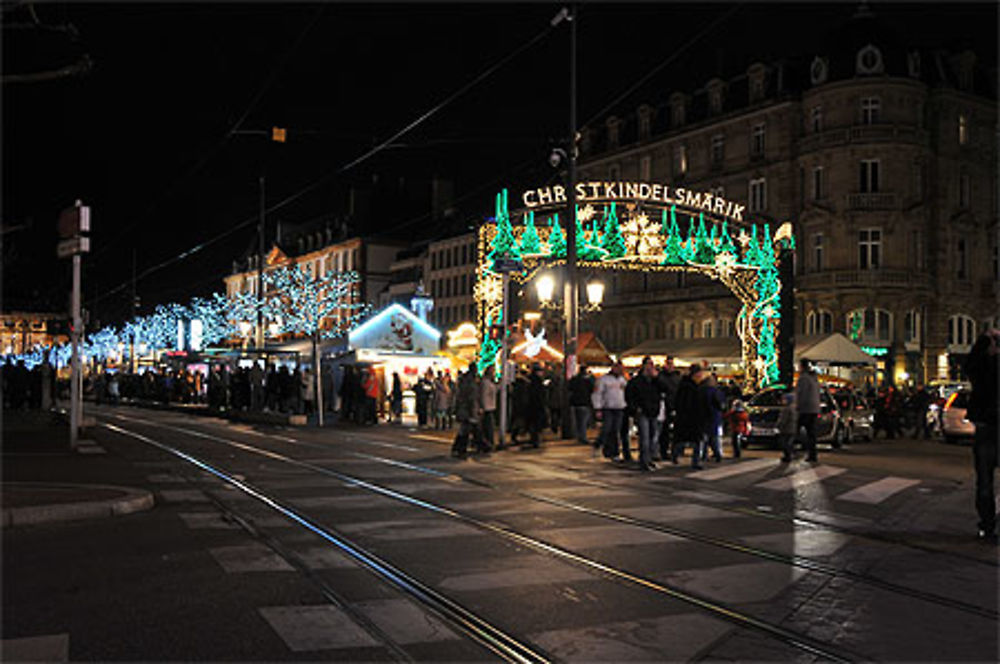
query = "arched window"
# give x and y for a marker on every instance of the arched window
(819, 321)
(869, 325)
(706, 328)
(961, 333)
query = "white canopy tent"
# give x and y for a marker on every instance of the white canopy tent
(833, 348)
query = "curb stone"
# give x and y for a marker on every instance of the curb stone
(133, 500)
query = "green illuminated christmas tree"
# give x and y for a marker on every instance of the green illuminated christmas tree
(726, 244)
(504, 244)
(673, 247)
(585, 250)
(557, 241)
(490, 348)
(752, 256)
(613, 241)
(530, 242)
(704, 251)
(690, 244)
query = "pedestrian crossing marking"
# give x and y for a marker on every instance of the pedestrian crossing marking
(404, 622)
(516, 577)
(733, 469)
(307, 628)
(802, 478)
(251, 558)
(678, 637)
(603, 537)
(875, 492)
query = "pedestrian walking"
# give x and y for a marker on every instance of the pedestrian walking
(467, 412)
(669, 380)
(739, 426)
(712, 397)
(692, 413)
(646, 408)
(424, 397)
(581, 389)
(520, 401)
(537, 409)
(807, 403)
(442, 401)
(307, 388)
(370, 386)
(488, 404)
(609, 399)
(788, 426)
(982, 369)
(396, 399)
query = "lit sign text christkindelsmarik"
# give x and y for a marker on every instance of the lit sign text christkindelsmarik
(636, 191)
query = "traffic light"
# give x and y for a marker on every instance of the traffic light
(278, 134)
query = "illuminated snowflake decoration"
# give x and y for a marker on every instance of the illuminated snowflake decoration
(743, 238)
(586, 213)
(643, 238)
(725, 263)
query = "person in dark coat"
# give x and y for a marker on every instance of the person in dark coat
(396, 399)
(520, 405)
(424, 392)
(669, 379)
(692, 413)
(536, 405)
(581, 390)
(645, 406)
(712, 397)
(982, 369)
(467, 412)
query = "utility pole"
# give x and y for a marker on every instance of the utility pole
(135, 307)
(74, 222)
(259, 339)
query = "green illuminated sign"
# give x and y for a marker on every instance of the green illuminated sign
(875, 351)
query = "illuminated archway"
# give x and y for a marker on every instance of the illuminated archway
(635, 227)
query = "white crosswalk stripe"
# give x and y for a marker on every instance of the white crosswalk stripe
(875, 492)
(802, 478)
(732, 470)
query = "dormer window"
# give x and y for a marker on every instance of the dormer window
(817, 71)
(645, 121)
(869, 60)
(677, 110)
(756, 76)
(715, 87)
(613, 132)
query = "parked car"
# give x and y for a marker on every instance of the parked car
(765, 406)
(954, 425)
(856, 413)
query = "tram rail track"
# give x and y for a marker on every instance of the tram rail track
(792, 638)
(799, 562)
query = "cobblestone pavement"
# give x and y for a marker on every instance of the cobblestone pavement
(867, 555)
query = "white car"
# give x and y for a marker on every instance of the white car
(954, 424)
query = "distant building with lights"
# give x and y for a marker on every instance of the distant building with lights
(882, 156)
(20, 331)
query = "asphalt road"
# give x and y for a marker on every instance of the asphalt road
(373, 544)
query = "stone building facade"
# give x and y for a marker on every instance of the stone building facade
(885, 161)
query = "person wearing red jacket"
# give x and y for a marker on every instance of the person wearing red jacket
(739, 426)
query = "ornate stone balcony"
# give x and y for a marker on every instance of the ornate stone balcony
(876, 133)
(876, 201)
(863, 279)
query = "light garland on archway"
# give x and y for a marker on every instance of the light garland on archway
(748, 266)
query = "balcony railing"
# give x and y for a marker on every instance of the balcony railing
(876, 201)
(863, 279)
(863, 134)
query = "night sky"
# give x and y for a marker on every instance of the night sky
(143, 138)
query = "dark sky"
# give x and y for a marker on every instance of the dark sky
(143, 138)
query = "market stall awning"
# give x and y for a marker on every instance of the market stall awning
(833, 348)
(721, 350)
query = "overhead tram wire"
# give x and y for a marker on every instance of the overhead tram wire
(655, 70)
(218, 145)
(358, 160)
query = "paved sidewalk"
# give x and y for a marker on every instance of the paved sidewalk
(44, 482)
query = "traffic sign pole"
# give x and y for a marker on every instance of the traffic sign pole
(503, 360)
(75, 398)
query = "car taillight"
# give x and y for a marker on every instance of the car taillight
(951, 400)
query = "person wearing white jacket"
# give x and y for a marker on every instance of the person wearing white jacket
(609, 398)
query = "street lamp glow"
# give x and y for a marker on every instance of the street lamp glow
(545, 286)
(245, 328)
(532, 315)
(595, 292)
